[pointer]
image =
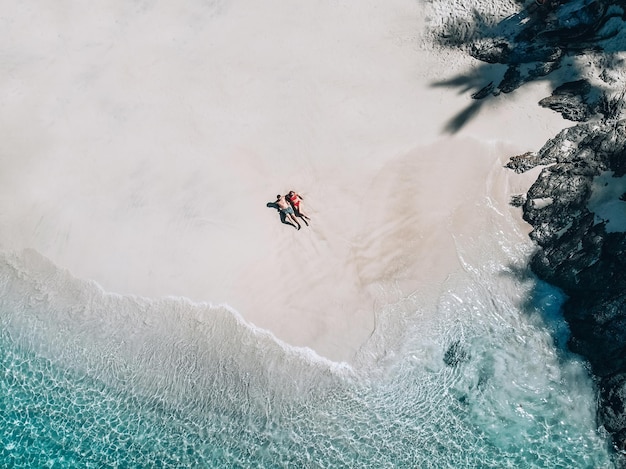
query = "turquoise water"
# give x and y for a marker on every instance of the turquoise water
(91, 379)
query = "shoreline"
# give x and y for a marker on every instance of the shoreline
(151, 176)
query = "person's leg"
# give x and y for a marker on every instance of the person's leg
(301, 214)
(296, 210)
(293, 217)
(285, 218)
(303, 217)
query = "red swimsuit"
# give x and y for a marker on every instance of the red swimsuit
(295, 200)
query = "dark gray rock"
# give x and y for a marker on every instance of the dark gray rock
(577, 250)
(518, 200)
(484, 92)
(522, 163)
(571, 100)
(613, 392)
(580, 256)
(490, 51)
(455, 354)
(535, 42)
(512, 80)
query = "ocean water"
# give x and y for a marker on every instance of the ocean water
(93, 379)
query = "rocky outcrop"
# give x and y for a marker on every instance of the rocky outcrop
(572, 101)
(538, 40)
(578, 218)
(577, 206)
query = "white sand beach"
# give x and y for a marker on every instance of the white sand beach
(141, 143)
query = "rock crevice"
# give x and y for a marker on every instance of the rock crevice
(580, 255)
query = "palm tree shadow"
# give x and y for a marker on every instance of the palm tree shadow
(531, 45)
(458, 122)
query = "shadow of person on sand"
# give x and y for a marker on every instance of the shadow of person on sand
(283, 217)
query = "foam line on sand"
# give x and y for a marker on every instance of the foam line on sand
(141, 144)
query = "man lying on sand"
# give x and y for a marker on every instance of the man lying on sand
(295, 199)
(285, 208)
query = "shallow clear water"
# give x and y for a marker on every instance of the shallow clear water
(97, 380)
(93, 379)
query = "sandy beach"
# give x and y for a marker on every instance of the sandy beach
(145, 161)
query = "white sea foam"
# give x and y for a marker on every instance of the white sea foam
(484, 382)
(144, 162)
(171, 346)
(148, 159)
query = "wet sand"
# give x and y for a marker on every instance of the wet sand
(143, 143)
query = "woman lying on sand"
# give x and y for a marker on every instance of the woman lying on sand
(295, 199)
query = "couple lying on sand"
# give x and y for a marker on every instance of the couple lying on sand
(289, 206)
